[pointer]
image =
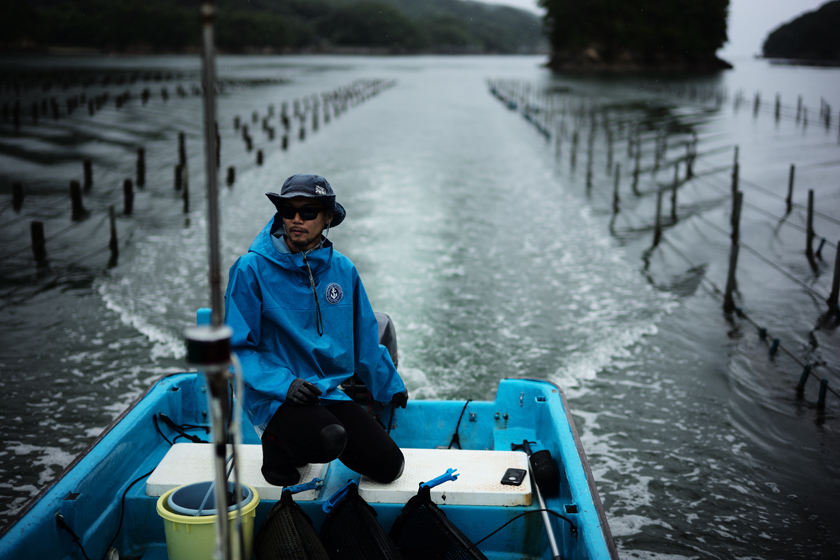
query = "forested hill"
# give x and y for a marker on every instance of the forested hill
(636, 34)
(456, 26)
(812, 37)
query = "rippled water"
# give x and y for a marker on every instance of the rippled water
(493, 258)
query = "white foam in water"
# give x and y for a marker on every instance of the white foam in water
(166, 344)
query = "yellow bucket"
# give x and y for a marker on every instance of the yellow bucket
(194, 538)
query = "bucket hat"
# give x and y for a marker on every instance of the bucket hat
(312, 186)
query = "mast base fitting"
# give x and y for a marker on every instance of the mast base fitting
(208, 347)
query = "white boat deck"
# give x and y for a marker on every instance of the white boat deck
(479, 482)
(186, 463)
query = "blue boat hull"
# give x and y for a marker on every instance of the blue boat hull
(88, 493)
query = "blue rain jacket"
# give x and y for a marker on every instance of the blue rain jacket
(270, 307)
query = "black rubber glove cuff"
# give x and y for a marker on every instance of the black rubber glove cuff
(400, 399)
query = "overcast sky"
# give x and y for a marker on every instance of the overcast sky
(749, 20)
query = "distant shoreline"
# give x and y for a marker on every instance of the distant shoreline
(822, 63)
(589, 60)
(145, 50)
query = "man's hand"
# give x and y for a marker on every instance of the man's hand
(400, 399)
(302, 392)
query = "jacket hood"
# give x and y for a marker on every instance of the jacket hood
(319, 259)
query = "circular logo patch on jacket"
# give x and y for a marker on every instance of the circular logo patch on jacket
(334, 293)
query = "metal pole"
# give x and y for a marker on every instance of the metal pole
(208, 14)
(552, 542)
(216, 377)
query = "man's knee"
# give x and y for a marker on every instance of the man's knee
(333, 439)
(392, 467)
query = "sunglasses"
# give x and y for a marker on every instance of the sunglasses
(306, 212)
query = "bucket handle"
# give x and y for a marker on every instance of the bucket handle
(336, 498)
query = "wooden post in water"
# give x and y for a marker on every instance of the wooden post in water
(778, 107)
(79, 211)
(113, 244)
(141, 167)
(182, 148)
(835, 281)
(728, 300)
(674, 192)
(88, 168)
(657, 228)
(616, 199)
(789, 199)
(179, 177)
(284, 145)
(231, 176)
(735, 170)
(636, 169)
(185, 194)
(39, 242)
(809, 234)
(799, 109)
(575, 139)
(128, 197)
(17, 196)
(259, 157)
(609, 151)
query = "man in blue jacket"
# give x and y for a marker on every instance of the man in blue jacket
(302, 325)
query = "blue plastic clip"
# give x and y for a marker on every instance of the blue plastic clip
(449, 475)
(336, 498)
(204, 316)
(314, 484)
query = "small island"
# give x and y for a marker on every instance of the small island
(811, 39)
(642, 35)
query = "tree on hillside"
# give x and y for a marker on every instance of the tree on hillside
(645, 30)
(811, 36)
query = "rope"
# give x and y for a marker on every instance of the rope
(766, 260)
(774, 195)
(765, 333)
(51, 237)
(32, 212)
(456, 439)
(70, 264)
(781, 219)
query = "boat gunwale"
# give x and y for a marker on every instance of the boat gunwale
(590, 479)
(604, 526)
(78, 458)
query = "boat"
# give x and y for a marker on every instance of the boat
(104, 502)
(114, 500)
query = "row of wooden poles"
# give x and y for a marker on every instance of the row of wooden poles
(23, 82)
(718, 95)
(15, 112)
(517, 96)
(312, 108)
(340, 100)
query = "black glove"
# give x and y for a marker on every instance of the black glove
(302, 392)
(400, 399)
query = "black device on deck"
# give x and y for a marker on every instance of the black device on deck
(513, 477)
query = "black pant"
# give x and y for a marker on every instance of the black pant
(293, 436)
